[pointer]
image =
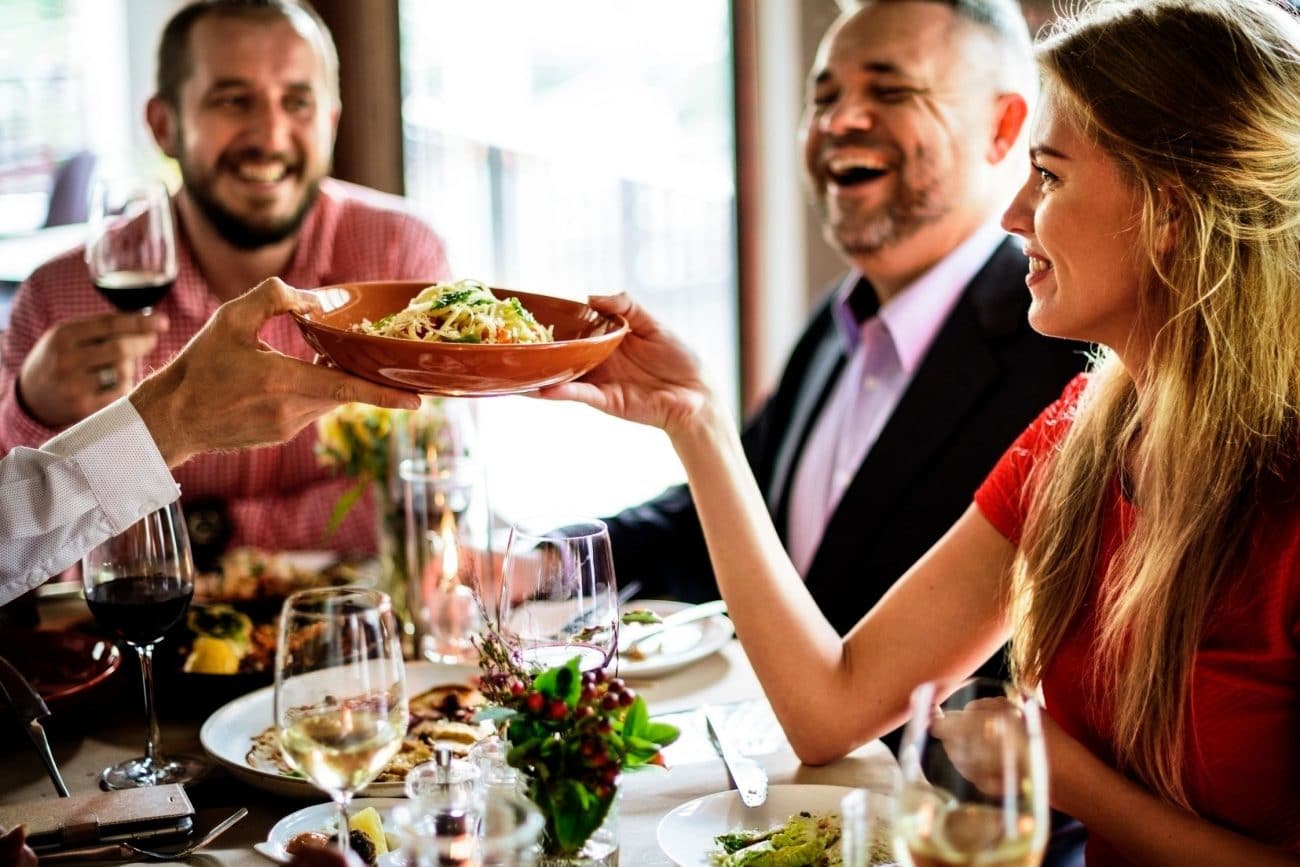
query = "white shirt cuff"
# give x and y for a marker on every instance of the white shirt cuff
(121, 463)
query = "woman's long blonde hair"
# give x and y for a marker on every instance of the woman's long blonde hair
(1199, 102)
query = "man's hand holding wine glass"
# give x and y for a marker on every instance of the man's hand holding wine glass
(83, 364)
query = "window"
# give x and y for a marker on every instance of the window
(63, 85)
(577, 147)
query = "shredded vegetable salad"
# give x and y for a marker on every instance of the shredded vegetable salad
(462, 312)
(806, 840)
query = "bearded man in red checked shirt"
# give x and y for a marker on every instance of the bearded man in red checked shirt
(247, 103)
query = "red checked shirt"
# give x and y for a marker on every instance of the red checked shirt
(278, 497)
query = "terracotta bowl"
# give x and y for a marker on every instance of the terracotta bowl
(583, 339)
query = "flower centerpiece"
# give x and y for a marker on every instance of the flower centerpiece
(571, 735)
(367, 443)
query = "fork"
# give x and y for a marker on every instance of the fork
(129, 850)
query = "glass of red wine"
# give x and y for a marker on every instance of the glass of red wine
(131, 245)
(138, 585)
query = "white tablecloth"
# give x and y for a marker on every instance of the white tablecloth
(725, 679)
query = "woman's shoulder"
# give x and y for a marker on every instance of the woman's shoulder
(1002, 497)
(1047, 431)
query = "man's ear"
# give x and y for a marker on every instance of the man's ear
(1010, 111)
(163, 123)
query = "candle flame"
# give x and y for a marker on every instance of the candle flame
(450, 556)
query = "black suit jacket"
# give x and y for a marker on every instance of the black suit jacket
(986, 376)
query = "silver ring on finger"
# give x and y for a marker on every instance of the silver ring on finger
(107, 377)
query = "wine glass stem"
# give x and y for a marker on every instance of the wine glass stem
(342, 799)
(153, 736)
(137, 367)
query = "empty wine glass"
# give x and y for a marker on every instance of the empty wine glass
(340, 689)
(558, 596)
(974, 771)
(138, 585)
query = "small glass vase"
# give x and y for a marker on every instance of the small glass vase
(439, 430)
(600, 850)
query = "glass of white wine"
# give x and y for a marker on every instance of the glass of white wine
(340, 689)
(974, 778)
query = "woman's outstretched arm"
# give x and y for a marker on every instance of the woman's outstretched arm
(939, 622)
(830, 694)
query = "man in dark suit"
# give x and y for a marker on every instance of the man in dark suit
(920, 368)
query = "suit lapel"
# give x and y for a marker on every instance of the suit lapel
(954, 374)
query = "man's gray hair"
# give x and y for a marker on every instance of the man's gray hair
(1004, 22)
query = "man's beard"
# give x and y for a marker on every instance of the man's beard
(860, 228)
(235, 230)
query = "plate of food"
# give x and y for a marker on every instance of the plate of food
(247, 575)
(675, 648)
(369, 830)
(224, 647)
(457, 339)
(719, 831)
(241, 734)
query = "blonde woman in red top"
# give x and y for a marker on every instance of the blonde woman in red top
(1140, 544)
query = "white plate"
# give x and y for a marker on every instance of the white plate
(679, 647)
(318, 817)
(228, 733)
(686, 834)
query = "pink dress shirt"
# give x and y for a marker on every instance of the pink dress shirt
(883, 352)
(278, 497)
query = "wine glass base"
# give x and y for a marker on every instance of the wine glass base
(138, 773)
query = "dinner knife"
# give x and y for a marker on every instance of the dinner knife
(747, 774)
(31, 710)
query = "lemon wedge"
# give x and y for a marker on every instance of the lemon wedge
(367, 821)
(212, 656)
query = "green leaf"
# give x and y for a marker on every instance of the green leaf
(641, 615)
(455, 296)
(344, 505)
(641, 746)
(518, 755)
(636, 720)
(639, 752)
(563, 682)
(576, 814)
(661, 733)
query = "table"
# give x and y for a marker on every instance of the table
(22, 253)
(694, 769)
